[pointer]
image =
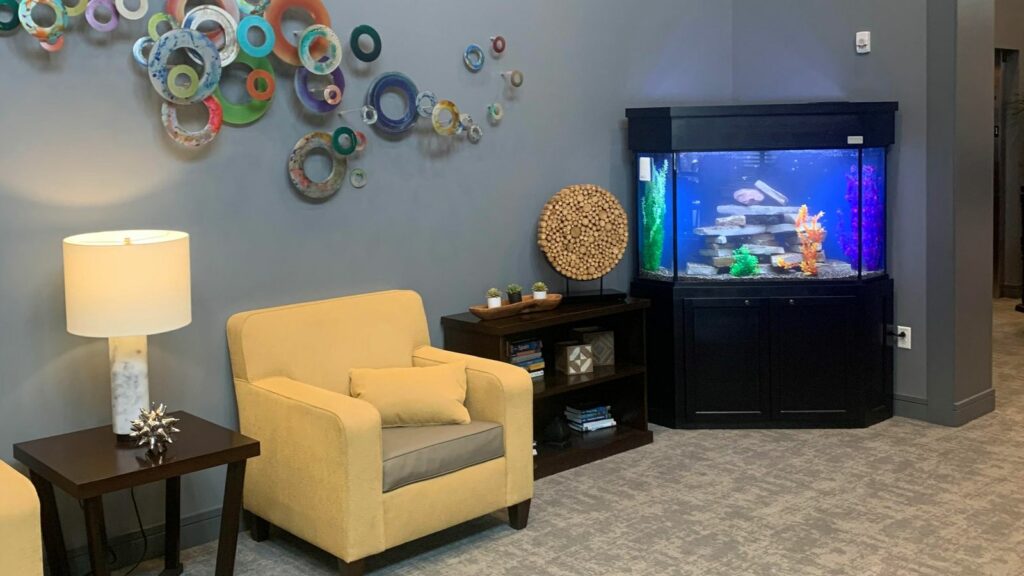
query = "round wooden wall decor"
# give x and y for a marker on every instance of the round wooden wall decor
(583, 232)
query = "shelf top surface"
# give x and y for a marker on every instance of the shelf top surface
(564, 314)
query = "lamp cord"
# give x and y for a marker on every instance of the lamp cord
(145, 539)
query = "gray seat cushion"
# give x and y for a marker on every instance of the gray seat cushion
(416, 453)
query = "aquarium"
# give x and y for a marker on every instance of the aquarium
(816, 214)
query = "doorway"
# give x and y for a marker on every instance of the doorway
(1008, 114)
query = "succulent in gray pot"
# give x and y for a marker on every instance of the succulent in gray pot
(515, 293)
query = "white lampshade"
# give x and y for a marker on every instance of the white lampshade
(127, 283)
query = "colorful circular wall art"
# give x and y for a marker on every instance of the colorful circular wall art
(176, 8)
(404, 86)
(94, 20)
(257, 106)
(129, 14)
(305, 92)
(274, 14)
(197, 45)
(443, 126)
(583, 231)
(324, 63)
(473, 58)
(226, 23)
(140, 50)
(257, 50)
(169, 117)
(357, 50)
(11, 7)
(49, 34)
(153, 26)
(297, 169)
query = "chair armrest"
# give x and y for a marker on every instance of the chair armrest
(502, 393)
(319, 474)
(21, 545)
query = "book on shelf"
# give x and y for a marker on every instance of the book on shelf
(526, 346)
(531, 367)
(586, 418)
(532, 356)
(589, 410)
(537, 374)
(593, 426)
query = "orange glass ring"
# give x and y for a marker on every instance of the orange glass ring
(283, 49)
(257, 91)
(332, 95)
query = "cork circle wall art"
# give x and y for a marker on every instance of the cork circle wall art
(583, 231)
(184, 53)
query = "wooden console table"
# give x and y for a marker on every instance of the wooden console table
(623, 386)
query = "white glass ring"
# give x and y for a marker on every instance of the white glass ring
(136, 14)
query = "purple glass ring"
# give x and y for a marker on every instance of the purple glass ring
(302, 89)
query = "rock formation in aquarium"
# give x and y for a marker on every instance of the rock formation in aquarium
(762, 236)
(744, 263)
(653, 208)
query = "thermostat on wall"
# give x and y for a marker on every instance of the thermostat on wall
(863, 42)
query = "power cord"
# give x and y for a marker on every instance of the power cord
(145, 539)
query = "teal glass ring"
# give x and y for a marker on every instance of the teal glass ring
(473, 57)
(255, 50)
(357, 51)
(338, 137)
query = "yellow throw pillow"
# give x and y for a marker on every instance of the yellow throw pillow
(414, 396)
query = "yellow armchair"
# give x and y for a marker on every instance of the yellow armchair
(21, 545)
(321, 474)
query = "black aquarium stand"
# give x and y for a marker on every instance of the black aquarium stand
(794, 354)
(788, 352)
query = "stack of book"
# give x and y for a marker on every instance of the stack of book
(528, 355)
(589, 418)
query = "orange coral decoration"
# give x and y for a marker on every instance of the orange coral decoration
(811, 234)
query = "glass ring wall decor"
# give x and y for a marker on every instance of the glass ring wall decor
(297, 169)
(218, 33)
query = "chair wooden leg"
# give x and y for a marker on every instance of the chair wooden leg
(519, 515)
(356, 568)
(259, 528)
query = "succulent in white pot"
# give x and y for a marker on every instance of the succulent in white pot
(540, 291)
(494, 298)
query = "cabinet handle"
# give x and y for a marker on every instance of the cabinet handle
(792, 302)
(746, 302)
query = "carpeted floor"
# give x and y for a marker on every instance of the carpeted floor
(903, 497)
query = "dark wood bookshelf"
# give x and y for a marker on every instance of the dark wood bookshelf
(622, 386)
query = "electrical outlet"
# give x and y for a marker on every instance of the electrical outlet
(903, 337)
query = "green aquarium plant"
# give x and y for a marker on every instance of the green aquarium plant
(744, 263)
(652, 207)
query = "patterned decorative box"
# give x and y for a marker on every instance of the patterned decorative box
(602, 343)
(574, 358)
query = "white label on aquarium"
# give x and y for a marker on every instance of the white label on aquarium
(645, 169)
(854, 139)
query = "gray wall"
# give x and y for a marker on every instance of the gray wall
(84, 151)
(793, 50)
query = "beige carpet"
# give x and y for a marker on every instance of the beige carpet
(902, 497)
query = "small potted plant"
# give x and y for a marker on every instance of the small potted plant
(494, 298)
(540, 291)
(515, 293)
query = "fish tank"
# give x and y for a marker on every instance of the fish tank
(733, 213)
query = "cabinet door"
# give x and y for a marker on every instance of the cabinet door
(726, 366)
(812, 358)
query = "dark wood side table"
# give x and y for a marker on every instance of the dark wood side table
(90, 463)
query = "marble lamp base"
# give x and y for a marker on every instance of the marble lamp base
(129, 381)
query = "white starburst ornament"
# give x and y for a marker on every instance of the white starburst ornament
(154, 428)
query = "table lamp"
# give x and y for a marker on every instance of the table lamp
(126, 285)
